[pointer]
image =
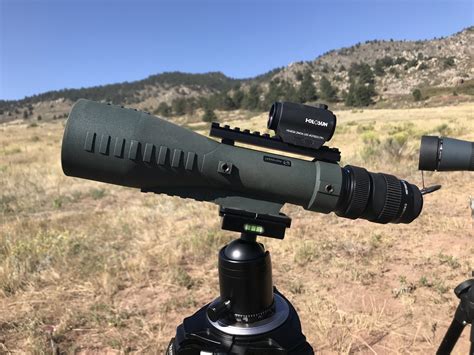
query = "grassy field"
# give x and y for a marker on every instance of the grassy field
(93, 268)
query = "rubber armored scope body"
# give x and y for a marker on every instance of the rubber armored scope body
(446, 154)
(127, 147)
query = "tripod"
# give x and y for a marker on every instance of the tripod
(250, 316)
(464, 315)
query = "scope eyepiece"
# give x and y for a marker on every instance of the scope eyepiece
(378, 197)
(302, 125)
(446, 154)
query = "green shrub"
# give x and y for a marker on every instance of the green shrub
(443, 129)
(371, 145)
(163, 109)
(379, 69)
(411, 63)
(365, 127)
(422, 66)
(448, 62)
(181, 277)
(404, 127)
(395, 144)
(400, 60)
(209, 115)
(417, 95)
(97, 194)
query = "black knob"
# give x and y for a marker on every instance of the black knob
(463, 287)
(323, 106)
(218, 310)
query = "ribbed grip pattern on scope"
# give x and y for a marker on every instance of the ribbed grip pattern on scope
(393, 199)
(138, 151)
(361, 192)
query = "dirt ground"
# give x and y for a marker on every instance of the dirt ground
(92, 268)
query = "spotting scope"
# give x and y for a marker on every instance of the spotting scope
(446, 154)
(127, 147)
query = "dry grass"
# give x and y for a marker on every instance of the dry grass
(92, 267)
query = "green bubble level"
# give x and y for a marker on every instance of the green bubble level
(253, 228)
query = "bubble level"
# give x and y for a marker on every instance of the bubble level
(253, 228)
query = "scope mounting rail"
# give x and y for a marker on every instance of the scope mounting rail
(230, 135)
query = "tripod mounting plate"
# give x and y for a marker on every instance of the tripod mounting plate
(272, 226)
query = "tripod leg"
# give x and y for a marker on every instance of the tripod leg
(452, 335)
(471, 352)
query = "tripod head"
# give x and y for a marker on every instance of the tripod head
(245, 272)
(250, 316)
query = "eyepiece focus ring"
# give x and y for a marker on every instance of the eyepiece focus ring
(377, 197)
(360, 181)
(393, 199)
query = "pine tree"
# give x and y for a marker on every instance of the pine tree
(179, 106)
(307, 91)
(363, 72)
(209, 115)
(328, 92)
(360, 95)
(379, 68)
(362, 87)
(417, 95)
(163, 109)
(237, 98)
(228, 103)
(252, 98)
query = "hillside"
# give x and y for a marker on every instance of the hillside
(379, 73)
(399, 66)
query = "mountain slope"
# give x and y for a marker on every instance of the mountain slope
(437, 67)
(443, 62)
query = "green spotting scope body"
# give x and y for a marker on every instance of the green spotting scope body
(127, 147)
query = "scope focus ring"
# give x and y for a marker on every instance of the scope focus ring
(393, 199)
(360, 181)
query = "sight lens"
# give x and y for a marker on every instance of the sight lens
(272, 117)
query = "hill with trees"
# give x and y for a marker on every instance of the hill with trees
(379, 73)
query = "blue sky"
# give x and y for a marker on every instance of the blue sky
(48, 45)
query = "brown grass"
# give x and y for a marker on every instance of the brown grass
(90, 267)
